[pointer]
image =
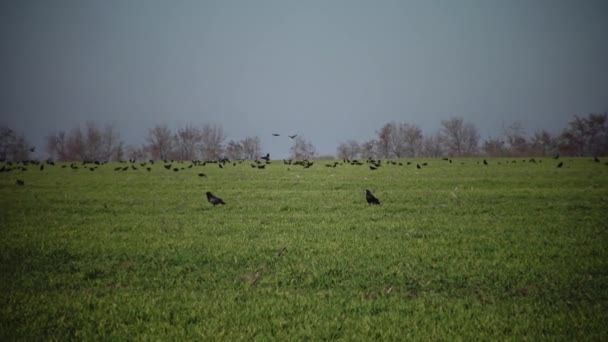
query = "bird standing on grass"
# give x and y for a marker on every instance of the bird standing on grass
(371, 199)
(214, 200)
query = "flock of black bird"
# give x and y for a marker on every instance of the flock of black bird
(259, 163)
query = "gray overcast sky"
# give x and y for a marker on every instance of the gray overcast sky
(329, 70)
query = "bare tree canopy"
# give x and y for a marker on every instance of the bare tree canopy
(348, 150)
(13, 146)
(461, 138)
(248, 148)
(586, 136)
(160, 142)
(88, 143)
(187, 143)
(212, 140)
(302, 149)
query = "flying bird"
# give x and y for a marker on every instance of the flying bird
(292, 136)
(371, 199)
(276, 135)
(214, 200)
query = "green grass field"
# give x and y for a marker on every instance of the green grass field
(507, 251)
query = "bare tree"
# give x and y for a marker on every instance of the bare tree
(13, 146)
(586, 135)
(136, 152)
(461, 138)
(92, 143)
(302, 149)
(516, 139)
(187, 142)
(544, 143)
(348, 150)
(432, 145)
(234, 150)
(160, 142)
(367, 149)
(399, 140)
(212, 139)
(383, 144)
(251, 147)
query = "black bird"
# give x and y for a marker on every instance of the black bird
(371, 199)
(202, 175)
(125, 168)
(220, 165)
(418, 166)
(168, 167)
(33, 149)
(149, 169)
(560, 164)
(214, 200)
(292, 136)
(267, 157)
(372, 168)
(596, 159)
(276, 135)
(485, 162)
(41, 167)
(20, 182)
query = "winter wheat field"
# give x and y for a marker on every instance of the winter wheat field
(516, 249)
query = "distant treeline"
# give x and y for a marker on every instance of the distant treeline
(583, 136)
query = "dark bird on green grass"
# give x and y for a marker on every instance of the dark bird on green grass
(41, 167)
(125, 168)
(115, 169)
(175, 169)
(168, 167)
(133, 167)
(560, 164)
(220, 165)
(214, 199)
(596, 159)
(485, 162)
(371, 199)
(202, 175)
(20, 182)
(149, 169)
(263, 166)
(372, 168)
(418, 166)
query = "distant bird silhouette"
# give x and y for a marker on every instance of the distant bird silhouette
(276, 135)
(125, 168)
(175, 169)
(33, 149)
(560, 164)
(596, 159)
(485, 162)
(214, 200)
(418, 166)
(202, 175)
(220, 166)
(41, 167)
(263, 166)
(292, 136)
(372, 168)
(371, 199)
(267, 157)
(20, 182)
(168, 167)
(149, 169)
